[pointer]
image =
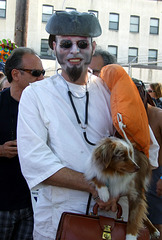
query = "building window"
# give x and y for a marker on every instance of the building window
(134, 24)
(154, 26)
(45, 49)
(113, 50)
(114, 21)
(152, 56)
(133, 55)
(94, 12)
(68, 9)
(47, 11)
(2, 8)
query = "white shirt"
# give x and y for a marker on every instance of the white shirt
(50, 138)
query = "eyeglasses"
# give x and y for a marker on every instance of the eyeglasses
(94, 71)
(82, 44)
(33, 72)
(150, 91)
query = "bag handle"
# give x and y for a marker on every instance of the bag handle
(96, 206)
(119, 210)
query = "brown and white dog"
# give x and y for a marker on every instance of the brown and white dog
(116, 168)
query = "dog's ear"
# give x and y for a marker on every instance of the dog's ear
(104, 152)
(118, 152)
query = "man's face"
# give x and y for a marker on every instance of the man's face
(74, 54)
(96, 65)
(31, 62)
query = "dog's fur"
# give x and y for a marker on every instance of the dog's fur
(116, 168)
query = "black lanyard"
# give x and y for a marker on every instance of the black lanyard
(71, 95)
(77, 116)
(75, 111)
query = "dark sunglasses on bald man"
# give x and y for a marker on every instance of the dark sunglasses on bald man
(82, 44)
(33, 72)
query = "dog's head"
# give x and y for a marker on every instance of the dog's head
(115, 155)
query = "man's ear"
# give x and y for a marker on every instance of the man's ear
(93, 47)
(15, 74)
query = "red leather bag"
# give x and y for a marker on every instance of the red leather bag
(75, 226)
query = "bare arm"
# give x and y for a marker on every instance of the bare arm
(69, 178)
(155, 116)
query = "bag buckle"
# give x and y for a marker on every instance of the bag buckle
(107, 232)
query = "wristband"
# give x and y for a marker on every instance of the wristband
(95, 198)
(161, 177)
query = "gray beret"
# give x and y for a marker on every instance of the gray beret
(72, 24)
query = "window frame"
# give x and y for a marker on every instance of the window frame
(152, 28)
(134, 24)
(46, 14)
(152, 59)
(3, 10)
(133, 58)
(94, 12)
(113, 22)
(69, 9)
(46, 54)
(113, 47)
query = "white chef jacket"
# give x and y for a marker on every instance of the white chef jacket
(50, 138)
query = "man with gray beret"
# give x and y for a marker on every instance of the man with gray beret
(60, 120)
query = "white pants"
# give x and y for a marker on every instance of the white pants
(37, 236)
(123, 201)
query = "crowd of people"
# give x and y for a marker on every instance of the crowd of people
(49, 128)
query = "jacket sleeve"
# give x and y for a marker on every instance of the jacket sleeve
(37, 160)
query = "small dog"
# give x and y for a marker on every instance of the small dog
(116, 168)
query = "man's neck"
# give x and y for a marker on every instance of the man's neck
(15, 92)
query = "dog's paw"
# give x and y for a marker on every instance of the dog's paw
(131, 237)
(155, 235)
(103, 193)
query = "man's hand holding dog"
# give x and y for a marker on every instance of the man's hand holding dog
(111, 204)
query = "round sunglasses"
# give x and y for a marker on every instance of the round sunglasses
(150, 91)
(33, 72)
(82, 44)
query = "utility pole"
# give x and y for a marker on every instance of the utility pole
(21, 22)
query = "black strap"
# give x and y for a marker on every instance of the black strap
(88, 203)
(74, 108)
(86, 115)
(86, 108)
(85, 136)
